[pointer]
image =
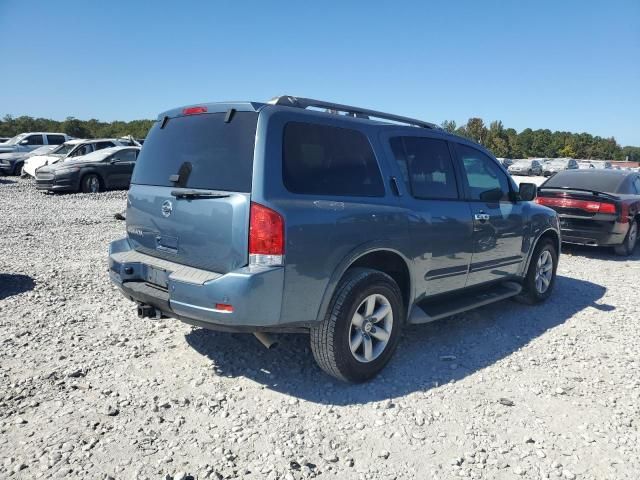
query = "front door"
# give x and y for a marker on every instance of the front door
(498, 226)
(440, 222)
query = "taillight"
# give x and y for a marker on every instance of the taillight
(266, 236)
(624, 213)
(586, 205)
(194, 110)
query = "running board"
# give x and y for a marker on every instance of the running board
(431, 311)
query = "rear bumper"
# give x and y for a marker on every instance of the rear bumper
(190, 294)
(594, 233)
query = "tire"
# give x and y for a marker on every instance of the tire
(91, 183)
(531, 287)
(630, 241)
(333, 339)
(529, 173)
(17, 169)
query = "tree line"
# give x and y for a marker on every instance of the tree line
(508, 143)
(11, 126)
(503, 142)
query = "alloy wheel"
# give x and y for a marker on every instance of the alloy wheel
(370, 328)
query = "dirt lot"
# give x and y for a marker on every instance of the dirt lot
(87, 390)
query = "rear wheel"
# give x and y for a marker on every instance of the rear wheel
(630, 241)
(362, 326)
(91, 183)
(541, 275)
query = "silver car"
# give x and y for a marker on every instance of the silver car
(559, 164)
(525, 167)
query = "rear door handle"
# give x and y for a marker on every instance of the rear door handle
(482, 217)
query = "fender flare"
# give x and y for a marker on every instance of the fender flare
(535, 244)
(350, 259)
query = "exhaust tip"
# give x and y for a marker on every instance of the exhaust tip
(265, 339)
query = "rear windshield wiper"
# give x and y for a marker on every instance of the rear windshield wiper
(187, 193)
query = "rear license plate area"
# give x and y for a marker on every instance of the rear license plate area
(157, 277)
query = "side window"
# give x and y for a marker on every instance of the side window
(126, 156)
(101, 145)
(35, 140)
(81, 150)
(484, 178)
(426, 167)
(324, 160)
(55, 139)
(636, 184)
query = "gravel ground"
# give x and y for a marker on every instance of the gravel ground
(87, 390)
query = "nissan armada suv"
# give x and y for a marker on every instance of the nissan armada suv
(300, 215)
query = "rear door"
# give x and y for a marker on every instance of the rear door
(498, 224)
(206, 153)
(440, 222)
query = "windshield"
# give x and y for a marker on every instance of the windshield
(522, 163)
(15, 140)
(204, 150)
(586, 180)
(64, 149)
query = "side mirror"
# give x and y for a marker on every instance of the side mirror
(113, 160)
(528, 192)
(24, 142)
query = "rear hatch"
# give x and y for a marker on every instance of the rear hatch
(189, 199)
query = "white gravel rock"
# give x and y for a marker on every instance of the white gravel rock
(545, 390)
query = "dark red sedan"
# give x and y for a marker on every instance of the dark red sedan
(596, 207)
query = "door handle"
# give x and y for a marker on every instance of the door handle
(482, 217)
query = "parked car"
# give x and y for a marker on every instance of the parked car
(601, 164)
(596, 207)
(279, 217)
(25, 142)
(11, 163)
(70, 149)
(584, 165)
(525, 167)
(505, 162)
(100, 170)
(556, 165)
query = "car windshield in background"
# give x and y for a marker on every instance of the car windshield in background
(15, 140)
(203, 150)
(64, 149)
(585, 180)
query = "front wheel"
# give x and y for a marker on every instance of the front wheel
(17, 169)
(91, 183)
(362, 326)
(541, 275)
(629, 244)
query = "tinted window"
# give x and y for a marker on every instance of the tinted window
(485, 179)
(596, 180)
(34, 140)
(101, 145)
(323, 160)
(125, 156)
(636, 185)
(204, 150)
(55, 139)
(426, 166)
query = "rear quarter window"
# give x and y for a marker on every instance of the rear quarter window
(326, 160)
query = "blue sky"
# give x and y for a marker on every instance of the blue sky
(564, 65)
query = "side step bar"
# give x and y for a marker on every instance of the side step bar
(426, 312)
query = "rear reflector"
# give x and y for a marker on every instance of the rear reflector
(224, 307)
(194, 110)
(266, 236)
(586, 205)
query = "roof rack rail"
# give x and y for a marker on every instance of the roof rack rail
(299, 102)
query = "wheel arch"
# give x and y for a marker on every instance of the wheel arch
(386, 260)
(550, 234)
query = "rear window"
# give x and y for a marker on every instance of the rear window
(205, 151)
(599, 181)
(325, 160)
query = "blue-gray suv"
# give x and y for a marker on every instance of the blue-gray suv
(300, 215)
